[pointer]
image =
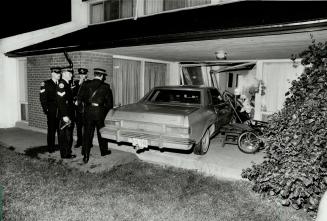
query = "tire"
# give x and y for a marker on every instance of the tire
(203, 146)
(248, 142)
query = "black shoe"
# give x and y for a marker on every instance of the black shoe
(105, 153)
(51, 151)
(86, 158)
(70, 156)
(77, 145)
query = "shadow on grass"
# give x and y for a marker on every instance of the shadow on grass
(34, 151)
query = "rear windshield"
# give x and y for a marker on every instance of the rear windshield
(175, 96)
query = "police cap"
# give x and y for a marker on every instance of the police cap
(82, 71)
(67, 69)
(99, 71)
(55, 69)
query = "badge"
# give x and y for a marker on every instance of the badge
(61, 85)
(42, 84)
(42, 91)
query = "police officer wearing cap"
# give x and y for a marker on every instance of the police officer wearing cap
(79, 107)
(97, 96)
(66, 113)
(49, 105)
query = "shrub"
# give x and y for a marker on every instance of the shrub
(294, 170)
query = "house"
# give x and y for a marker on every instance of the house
(144, 43)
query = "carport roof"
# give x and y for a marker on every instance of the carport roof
(237, 19)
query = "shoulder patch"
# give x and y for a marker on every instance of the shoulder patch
(42, 84)
(61, 93)
(61, 85)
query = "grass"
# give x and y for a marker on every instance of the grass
(44, 190)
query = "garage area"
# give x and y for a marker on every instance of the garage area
(252, 51)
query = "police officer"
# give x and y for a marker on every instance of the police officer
(66, 113)
(49, 105)
(97, 96)
(79, 107)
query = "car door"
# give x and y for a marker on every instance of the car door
(221, 107)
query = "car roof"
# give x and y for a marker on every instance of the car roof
(184, 87)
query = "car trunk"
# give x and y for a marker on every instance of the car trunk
(158, 114)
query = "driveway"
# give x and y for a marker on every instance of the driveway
(221, 161)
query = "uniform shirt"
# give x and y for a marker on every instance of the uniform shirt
(48, 94)
(65, 99)
(102, 97)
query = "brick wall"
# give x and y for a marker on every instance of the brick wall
(38, 70)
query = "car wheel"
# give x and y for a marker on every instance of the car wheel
(203, 146)
(248, 142)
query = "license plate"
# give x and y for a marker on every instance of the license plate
(138, 142)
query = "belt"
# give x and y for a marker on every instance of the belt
(96, 105)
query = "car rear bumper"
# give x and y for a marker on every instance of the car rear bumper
(158, 140)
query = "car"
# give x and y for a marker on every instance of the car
(170, 117)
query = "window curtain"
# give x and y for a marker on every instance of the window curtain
(126, 8)
(173, 4)
(198, 2)
(126, 81)
(153, 6)
(154, 75)
(111, 10)
(97, 13)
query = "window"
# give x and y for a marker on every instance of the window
(175, 96)
(97, 13)
(126, 81)
(192, 76)
(112, 10)
(153, 6)
(215, 97)
(108, 10)
(172, 4)
(154, 75)
(156, 6)
(230, 80)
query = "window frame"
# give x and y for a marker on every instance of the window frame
(103, 3)
(136, 10)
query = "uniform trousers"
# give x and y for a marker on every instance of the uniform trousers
(53, 123)
(94, 119)
(66, 140)
(79, 121)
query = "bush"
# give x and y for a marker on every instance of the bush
(294, 170)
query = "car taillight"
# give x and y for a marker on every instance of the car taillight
(178, 130)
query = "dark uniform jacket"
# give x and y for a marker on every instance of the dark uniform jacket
(76, 88)
(65, 99)
(48, 96)
(101, 100)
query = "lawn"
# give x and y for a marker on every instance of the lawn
(44, 190)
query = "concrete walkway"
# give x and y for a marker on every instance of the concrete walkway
(223, 162)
